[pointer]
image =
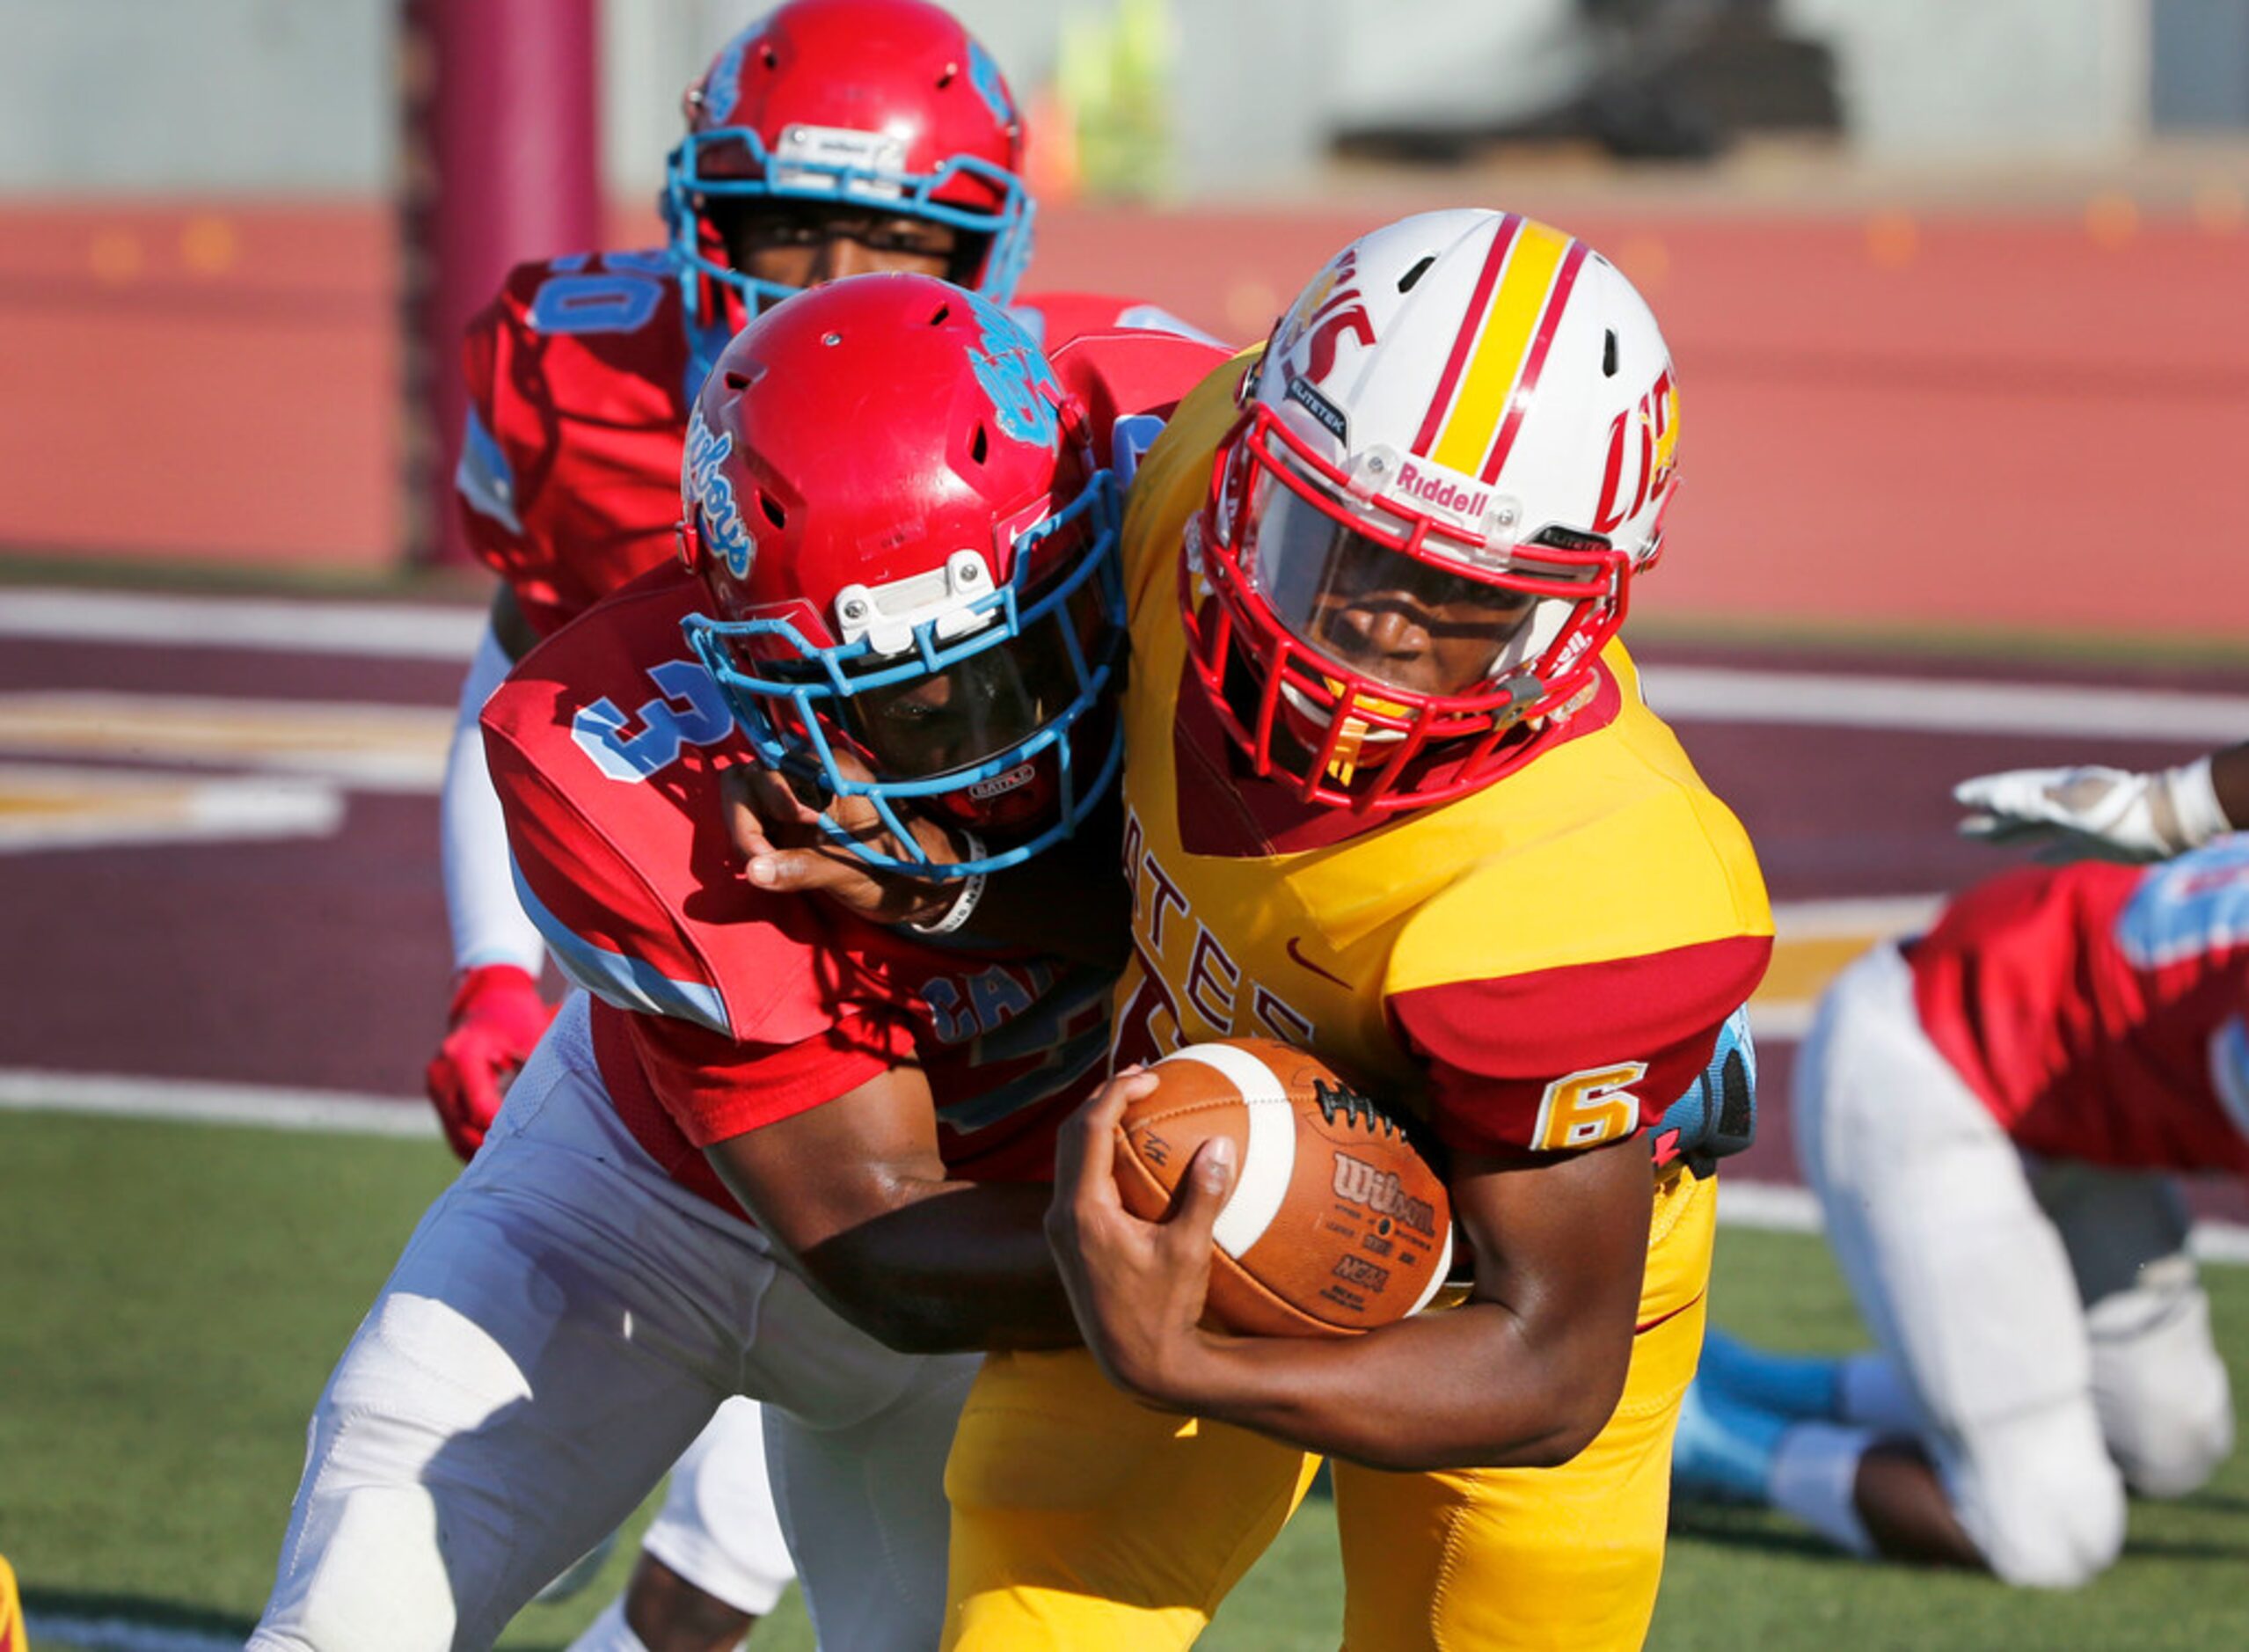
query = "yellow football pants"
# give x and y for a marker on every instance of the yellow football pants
(1083, 1520)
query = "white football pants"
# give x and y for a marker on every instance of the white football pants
(718, 1528)
(2046, 1316)
(564, 1322)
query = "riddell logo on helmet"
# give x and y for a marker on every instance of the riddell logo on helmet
(1433, 488)
(1380, 1191)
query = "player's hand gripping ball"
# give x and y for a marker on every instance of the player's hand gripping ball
(1335, 1225)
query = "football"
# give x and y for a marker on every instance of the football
(1335, 1224)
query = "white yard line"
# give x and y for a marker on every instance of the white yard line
(1946, 705)
(1874, 917)
(1754, 1205)
(1781, 1208)
(201, 1101)
(1689, 693)
(45, 807)
(364, 746)
(399, 631)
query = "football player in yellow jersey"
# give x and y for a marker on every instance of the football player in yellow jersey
(1392, 794)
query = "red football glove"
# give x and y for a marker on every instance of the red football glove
(496, 1017)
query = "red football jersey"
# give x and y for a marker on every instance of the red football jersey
(720, 1008)
(2097, 1009)
(579, 374)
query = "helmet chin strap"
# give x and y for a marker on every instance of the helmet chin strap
(1523, 690)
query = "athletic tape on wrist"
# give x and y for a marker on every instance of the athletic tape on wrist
(972, 890)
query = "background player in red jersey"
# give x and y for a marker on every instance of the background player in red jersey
(934, 589)
(1991, 1115)
(831, 138)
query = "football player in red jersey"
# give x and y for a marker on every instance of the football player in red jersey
(831, 138)
(905, 574)
(1992, 1114)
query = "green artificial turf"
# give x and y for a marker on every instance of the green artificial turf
(172, 1297)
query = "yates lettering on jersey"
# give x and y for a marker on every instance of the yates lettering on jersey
(1190, 988)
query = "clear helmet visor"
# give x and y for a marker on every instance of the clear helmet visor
(1401, 621)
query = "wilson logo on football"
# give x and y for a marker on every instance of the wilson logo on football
(1379, 1191)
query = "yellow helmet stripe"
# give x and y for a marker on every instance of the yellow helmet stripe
(1510, 325)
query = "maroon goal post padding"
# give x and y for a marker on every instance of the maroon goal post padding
(500, 162)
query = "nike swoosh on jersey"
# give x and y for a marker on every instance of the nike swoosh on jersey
(1296, 957)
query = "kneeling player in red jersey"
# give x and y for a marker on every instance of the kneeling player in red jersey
(1993, 1113)
(833, 138)
(897, 520)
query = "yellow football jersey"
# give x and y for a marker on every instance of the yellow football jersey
(1565, 940)
(1543, 962)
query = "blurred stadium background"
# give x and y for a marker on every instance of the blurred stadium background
(1932, 272)
(1955, 291)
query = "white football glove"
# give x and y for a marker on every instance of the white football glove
(2110, 814)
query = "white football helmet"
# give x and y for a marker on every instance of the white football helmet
(1456, 452)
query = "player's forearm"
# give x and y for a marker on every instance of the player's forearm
(950, 1267)
(483, 914)
(1469, 1387)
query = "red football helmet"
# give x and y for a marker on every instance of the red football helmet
(886, 105)
(911, 561)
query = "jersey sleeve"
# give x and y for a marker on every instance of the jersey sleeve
(1055, 319)
(568, 481)
(1566, 1058)
(715, 1088)
(1570, 990)
(611, 928)
(498, 446)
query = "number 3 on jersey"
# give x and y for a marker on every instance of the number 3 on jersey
(1584, 1109)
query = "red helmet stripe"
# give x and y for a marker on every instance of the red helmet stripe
(1472, 328)
(1535, 362)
